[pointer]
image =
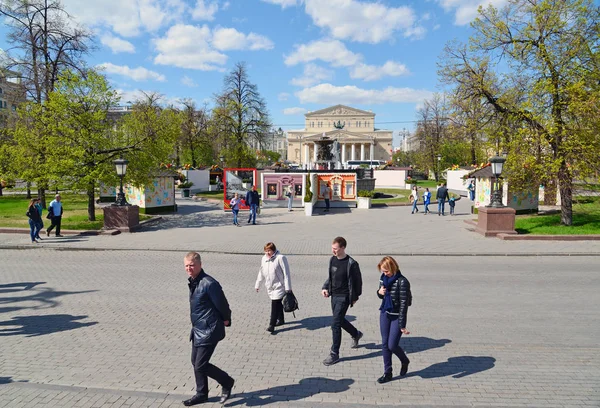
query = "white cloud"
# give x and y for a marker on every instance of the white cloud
(362, 21)
(137, 74)
(294, 111)
(126, 18)
(283, 96)
(187, 46)
(205, 10)
(129, 97)
(373, 72)
(283, 3)
(117, 44)
(187, 81)
(331, 51)
(330, 94)
(465, 11)
(231, 39)
(313, 74)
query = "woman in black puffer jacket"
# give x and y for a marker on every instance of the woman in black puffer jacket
(394, 289)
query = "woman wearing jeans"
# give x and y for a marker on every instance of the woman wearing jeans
(34, 220)
(275, 271)
(235, 208)
(394, 289)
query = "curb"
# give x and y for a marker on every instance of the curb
(63, 232)
(399, 254)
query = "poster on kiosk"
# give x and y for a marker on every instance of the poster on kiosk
(238, 181)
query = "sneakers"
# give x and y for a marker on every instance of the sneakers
(332, 359)
(387, 377)
(356, 339)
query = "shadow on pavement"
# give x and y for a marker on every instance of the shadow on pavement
(5, 380)
(311, 323)
(412, 345)
(457, 367)
(307, 387)
(27, 292)
(32, 326)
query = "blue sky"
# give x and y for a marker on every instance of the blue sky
(303, 55)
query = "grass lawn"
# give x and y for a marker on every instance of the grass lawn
(432, 184)
(586, 220)
(400, 196)
(13, 209)
(210, 194)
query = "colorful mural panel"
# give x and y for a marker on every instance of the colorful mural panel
(159, 193)
(238, 180)
(343, 186)
(275, 186)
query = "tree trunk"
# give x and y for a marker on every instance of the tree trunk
(42, 196)
(565, 184)
(550, 192)
(28, 190)
(91, 203)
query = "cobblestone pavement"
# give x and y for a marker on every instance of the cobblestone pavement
(109, 329)
(390, 230)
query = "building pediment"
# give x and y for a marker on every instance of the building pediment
(339, 110)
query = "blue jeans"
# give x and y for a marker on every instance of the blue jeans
(414, 207)
(290, 203)
(441, 204)
(390, 340)
(426, 205)
(235, 215)
(472, 195)
(252, 217)
(33, 229)
(451, 209)
(339, 307)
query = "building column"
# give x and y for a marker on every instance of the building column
(371, 150)
(362, 151)
(316, 151)
(306, 154)
(352, 151)
(343, 158)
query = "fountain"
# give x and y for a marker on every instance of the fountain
(328, 154)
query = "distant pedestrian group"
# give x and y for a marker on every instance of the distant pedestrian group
(210, 312)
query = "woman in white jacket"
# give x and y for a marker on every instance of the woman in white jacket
(275, 271)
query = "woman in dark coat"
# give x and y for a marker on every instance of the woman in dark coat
(34, 220)
(394, 289)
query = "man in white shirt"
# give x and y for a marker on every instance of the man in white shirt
(56, 209)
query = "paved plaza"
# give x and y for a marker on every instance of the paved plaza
(81, 327)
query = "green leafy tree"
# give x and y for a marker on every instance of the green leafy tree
(536, 64)
(195, 144)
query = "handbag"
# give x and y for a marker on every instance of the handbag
(290, 303)
(50, 214)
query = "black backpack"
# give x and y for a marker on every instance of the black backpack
(290, 303)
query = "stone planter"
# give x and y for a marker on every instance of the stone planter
(185, 192)
(308, 209)
(364, 203)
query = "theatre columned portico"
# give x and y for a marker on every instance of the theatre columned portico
(352, 128)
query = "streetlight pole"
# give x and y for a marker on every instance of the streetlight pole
(121, 166)
(497, 163)
(437, 175)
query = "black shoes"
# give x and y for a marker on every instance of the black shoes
(47, 233)
(271, 329)
(58, 235)
(356, 339)
(387, 377)
(404, 368)
(279, 323)
(195, 400)
(226, 393)
(332, 359)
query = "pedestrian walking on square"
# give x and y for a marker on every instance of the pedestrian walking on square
(394, 290)
(452, 203)
(210, 314)
(253, 201)
(471, 189)
(275, 272)
(344, 287)
(415, 199)
(441, 195)
(426, 201)
(327, 196)
(34, 220)
(235, 208)
(38, 205)
(55, 212)
(290, 196)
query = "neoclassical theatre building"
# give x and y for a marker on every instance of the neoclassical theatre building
(353, 128)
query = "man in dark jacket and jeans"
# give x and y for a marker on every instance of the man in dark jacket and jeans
(210, 314)
(442, 195)
(253, 201)
(344, 287)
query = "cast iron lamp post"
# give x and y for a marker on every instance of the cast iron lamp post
(439, 157)
(222, 160)
(121, 165)
(497, 163)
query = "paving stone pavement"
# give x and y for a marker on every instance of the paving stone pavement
(109, 329)
(389, 230)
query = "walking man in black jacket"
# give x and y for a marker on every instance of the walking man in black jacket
(344, 287)
(442, 195)
(210, 314)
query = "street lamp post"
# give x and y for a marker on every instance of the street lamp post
(439, 158)
(121, 166)
(497, 164)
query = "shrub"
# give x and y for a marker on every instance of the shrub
(186, 184)
(366, 193)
